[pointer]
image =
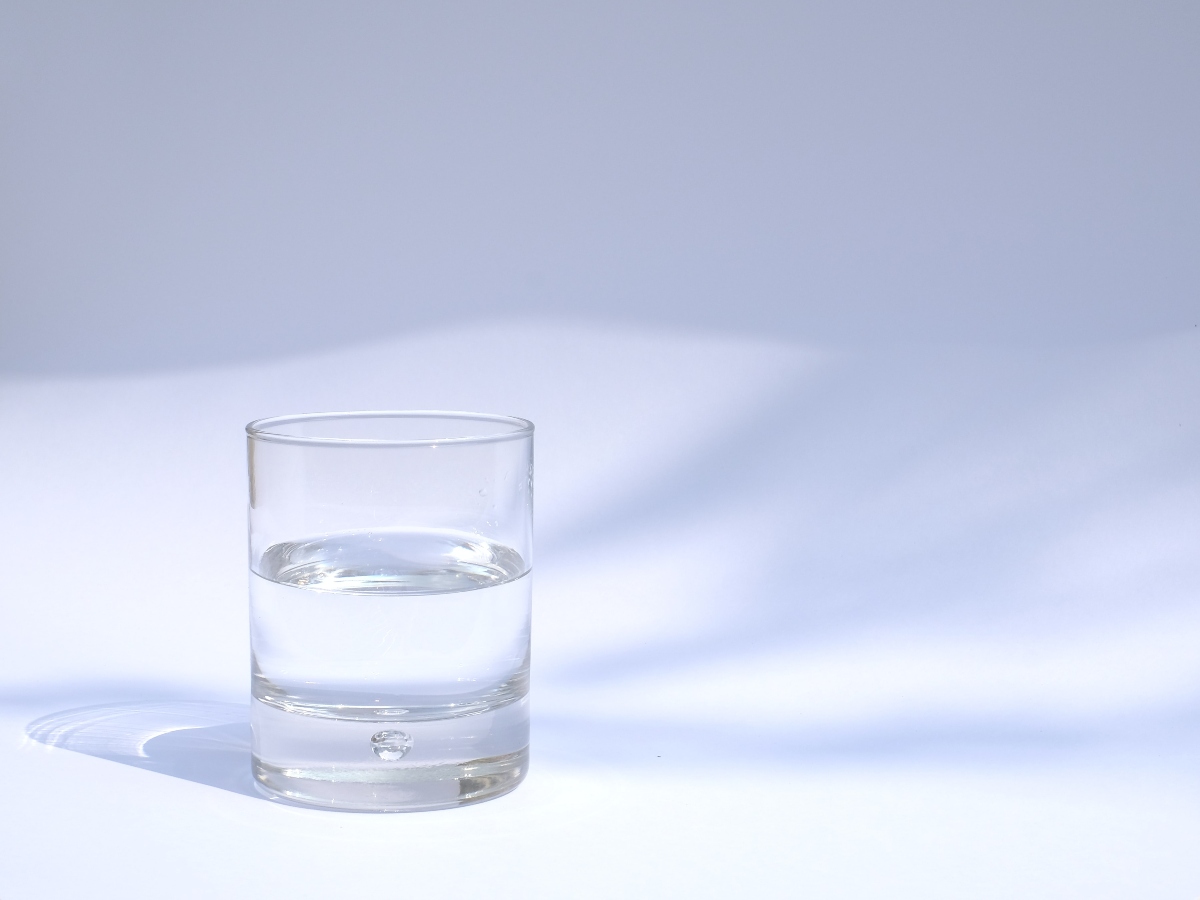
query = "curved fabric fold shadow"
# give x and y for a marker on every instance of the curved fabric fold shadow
(204, 742)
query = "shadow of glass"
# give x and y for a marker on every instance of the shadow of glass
(204, 742)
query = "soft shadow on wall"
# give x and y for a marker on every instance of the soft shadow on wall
(197, 183)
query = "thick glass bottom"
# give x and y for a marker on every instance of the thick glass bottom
(389, 766)
(408, 789)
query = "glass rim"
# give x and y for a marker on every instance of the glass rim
(260, 429)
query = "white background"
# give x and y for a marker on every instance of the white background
(862, 345)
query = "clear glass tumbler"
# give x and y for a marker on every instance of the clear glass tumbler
(390, 594)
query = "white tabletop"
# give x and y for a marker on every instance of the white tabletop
(809, 621)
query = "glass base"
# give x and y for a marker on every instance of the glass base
(389, 766)
(410, 789)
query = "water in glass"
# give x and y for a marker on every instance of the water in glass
(390, 669)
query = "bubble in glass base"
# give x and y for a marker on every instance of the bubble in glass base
(391, 745)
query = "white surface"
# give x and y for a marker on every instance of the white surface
(808, 622)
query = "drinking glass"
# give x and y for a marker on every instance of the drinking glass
(390, 599)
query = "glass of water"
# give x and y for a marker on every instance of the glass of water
(390, 591)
